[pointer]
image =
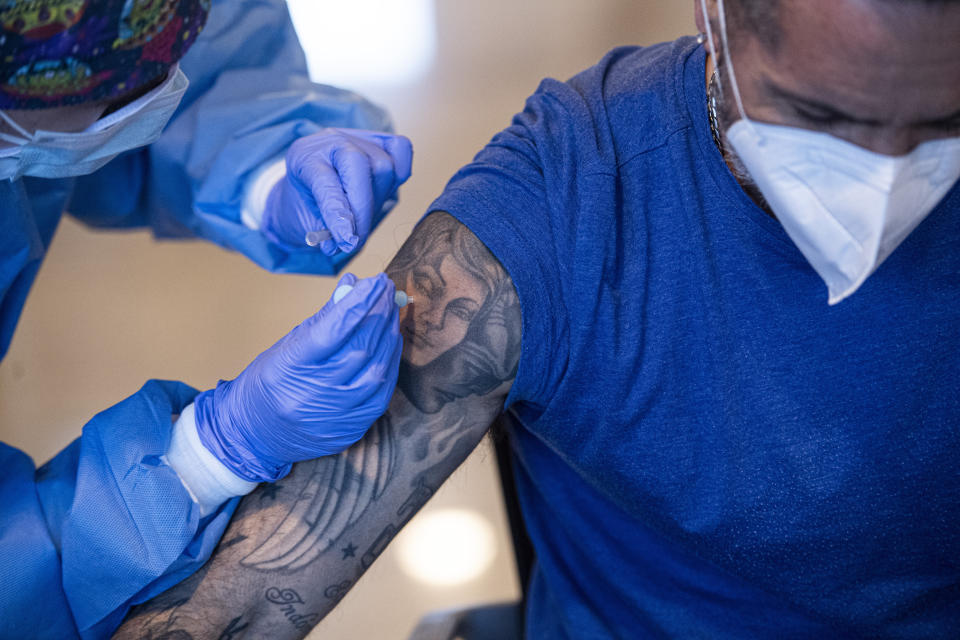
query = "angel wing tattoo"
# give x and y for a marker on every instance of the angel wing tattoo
(339, 491)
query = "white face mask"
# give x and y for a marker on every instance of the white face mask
(53, 154)
(845, 207)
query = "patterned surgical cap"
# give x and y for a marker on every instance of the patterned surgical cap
(63, 52)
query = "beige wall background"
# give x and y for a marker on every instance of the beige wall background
(111, 310)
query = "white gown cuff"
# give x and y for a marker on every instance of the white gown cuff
(208, 481)
(257, 190)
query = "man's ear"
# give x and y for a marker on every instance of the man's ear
(701, 19)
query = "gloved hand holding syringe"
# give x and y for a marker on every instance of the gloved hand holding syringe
(313, 393)
(319, 388)
(337, 185)
(314, 238)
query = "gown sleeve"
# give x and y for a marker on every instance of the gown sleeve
(104, 525)
(249, 98)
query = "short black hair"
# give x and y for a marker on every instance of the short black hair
(763, 9)
(754, 13)
(762, 17)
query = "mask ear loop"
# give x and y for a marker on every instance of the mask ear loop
(726, 52)
(713, 49)
(16, 127)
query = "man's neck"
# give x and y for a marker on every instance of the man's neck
(722, 123)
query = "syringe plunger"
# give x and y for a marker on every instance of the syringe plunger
(314, 238)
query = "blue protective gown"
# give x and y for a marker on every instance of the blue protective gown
(106, 524)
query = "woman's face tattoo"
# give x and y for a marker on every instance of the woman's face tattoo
(462, 331)
(446, 298)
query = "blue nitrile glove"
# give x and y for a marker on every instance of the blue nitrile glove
(313, 393)
(337, 180)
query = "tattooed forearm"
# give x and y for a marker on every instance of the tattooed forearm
(291, 605)
(421, 493)
(295, 548)
(235, 629)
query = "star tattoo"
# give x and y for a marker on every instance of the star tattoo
(270, 491)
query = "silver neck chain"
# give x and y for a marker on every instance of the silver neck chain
(712, 111)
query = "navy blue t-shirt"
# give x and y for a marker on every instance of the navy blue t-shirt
(707, 449)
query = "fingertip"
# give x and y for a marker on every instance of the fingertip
(388, 293)
(344, 232)
(366, 292)
(386, 279)
(347, 278)
(401, 149)
(350, 245)
(329, 247)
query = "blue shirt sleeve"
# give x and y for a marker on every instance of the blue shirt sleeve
(249, 98)
(520, 196)
(104, 525)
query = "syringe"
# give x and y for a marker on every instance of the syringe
(400, 297)
(314, 238)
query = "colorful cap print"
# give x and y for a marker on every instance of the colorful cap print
(61, 52)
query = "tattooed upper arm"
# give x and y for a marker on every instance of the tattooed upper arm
(294, 548)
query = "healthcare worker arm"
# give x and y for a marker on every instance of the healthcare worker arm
(103, 525)
(314, 393)
(137, 504)
(295, 548)
(213, 169)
